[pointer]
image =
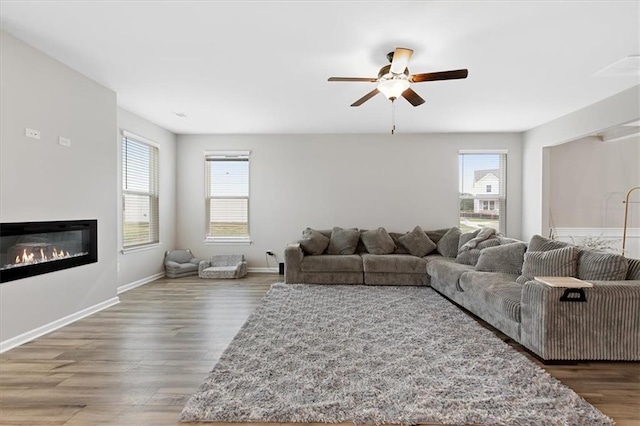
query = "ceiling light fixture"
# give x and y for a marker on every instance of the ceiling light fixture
(392, 88)
(180, 114)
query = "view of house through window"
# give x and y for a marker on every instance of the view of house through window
(140, 218)
(482, 188)
(227, 196)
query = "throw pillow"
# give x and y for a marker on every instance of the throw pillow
(634, 269)
(313, 242)
(540, 243)
(437, 234)
(595, 265)
(417, 242)
(562, 262)
(343, 241)
(400, 248)
(448, 244)
(360, 248)
(378, 241)
(506, 258)
(471, 256)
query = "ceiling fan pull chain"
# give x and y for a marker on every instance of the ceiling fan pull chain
(393, 117)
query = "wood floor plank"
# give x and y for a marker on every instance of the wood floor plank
(138, 362)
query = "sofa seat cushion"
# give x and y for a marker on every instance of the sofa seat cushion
(181, 267)
(332, 263)
(498, 291)
(445, 269)
(220, 269)
(397, 263)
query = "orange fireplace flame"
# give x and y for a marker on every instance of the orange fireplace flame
(30, 257)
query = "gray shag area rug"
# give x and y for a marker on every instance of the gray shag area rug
(374, 355)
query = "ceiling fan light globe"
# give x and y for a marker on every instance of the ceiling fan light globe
(393, 88)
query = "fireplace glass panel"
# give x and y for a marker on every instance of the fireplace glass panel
(33, 248)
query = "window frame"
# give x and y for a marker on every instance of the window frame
(210, 156)
(501, 196)
(153, 193)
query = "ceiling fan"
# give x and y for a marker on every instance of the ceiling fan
(394, 79)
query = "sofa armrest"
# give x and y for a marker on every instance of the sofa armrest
(604, 327)
(202, 266)
(293, 256)
(195, 260)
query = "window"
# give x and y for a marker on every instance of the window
(482, 190)
(227, 196)
(140, 171)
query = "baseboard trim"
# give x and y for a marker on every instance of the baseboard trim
(52, 326)
(138, 283)
(263, 270)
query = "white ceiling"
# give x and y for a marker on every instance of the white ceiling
(262, 67)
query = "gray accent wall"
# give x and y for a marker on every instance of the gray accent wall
(138, 266)
(321, 181)
(41, 180)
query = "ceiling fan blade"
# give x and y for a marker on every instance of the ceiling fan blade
(442, 75)
(413, 98)
(400, 60)
(365, 98)
(366, 79)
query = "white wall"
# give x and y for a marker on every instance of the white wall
(41, 180)
(621, 108)
(140, 266)
(590, 192)
(322, 181)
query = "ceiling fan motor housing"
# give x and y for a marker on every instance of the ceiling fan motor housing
(386, 74)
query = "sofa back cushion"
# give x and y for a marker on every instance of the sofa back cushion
(597, 265)
(343, 241)
(561, 262)
(634, 269)
(378, 241)
(313, 242)
(180, 256)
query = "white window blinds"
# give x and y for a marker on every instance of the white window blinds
(227, 196)
(140, 176)
(483, 190)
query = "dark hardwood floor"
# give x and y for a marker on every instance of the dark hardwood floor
(138, 362)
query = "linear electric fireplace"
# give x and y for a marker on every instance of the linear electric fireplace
(34, 248)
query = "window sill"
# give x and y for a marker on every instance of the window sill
(227, 241)
(140, 248)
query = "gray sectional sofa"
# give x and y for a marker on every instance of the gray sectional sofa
(492, 277)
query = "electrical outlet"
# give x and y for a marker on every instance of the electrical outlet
(32, 133)
(270, 253)
(64, 141)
